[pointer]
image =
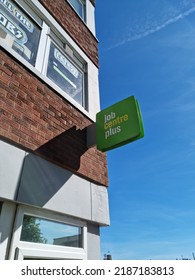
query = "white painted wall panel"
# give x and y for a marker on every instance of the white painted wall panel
(6, 225)
(90, 17)
(29, 179)
(93, 244)
(11, 162)
(49, 186)
(100, 207)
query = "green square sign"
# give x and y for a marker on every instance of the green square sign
(119, 124)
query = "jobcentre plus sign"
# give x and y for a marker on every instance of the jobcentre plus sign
(112, 124)
(119, 124)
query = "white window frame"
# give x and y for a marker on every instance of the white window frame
(91, 103)
(23, 249)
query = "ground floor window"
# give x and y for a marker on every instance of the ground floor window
(46, 231)
(40, 234)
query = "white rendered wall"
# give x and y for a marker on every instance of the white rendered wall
(6, 225)
(90, 14)
(49, 186)
(29, 179)
(11, 162)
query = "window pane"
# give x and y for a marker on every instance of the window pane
(79, 7)
(49, 232)
(63, 73)
(18, 31)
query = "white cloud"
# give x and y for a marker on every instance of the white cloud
(145, 28)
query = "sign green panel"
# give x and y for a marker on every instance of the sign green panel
(119, 124)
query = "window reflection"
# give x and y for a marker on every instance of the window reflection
(50, 232)
(19, 31)
(79, 6)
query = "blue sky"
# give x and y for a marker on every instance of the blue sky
(147, 49)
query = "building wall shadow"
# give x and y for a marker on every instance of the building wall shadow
(65, 149)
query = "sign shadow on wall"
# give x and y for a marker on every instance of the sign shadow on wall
(65, 149)
(42, 178)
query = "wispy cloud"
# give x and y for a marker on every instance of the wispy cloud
(139, 31)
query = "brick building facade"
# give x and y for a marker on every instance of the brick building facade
(49, 96)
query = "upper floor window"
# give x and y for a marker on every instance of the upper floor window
(33, 39)
(66, 74)
(19, 31)
(80, 7)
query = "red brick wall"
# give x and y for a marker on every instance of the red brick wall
(70, 21)
(37, 119)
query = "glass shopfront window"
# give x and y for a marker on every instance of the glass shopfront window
(45, 231)
(19, 31)
(40, 234)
